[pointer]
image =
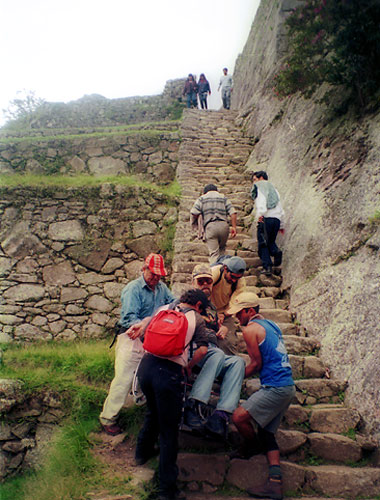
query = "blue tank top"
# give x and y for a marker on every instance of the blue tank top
(276, 370)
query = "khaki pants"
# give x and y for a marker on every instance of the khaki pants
(216, 236)
(127, 358)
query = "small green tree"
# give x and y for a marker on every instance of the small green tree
(333, 41)
(23, 106)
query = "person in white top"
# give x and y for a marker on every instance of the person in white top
(226, 84)
(269, 217)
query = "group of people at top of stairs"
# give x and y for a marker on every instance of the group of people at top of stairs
(218, 294)
(193, 89)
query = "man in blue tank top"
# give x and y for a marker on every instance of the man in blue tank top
(266, 407)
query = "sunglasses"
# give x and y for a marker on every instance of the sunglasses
(235, 276)
(203, 281)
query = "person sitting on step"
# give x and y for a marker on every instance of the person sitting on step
(216, 364)
(265, 408)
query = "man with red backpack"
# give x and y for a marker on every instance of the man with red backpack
(162, 381)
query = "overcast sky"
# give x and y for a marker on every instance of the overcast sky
(64, 49)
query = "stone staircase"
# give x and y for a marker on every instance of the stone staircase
(323, 452)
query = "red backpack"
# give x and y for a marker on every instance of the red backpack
(166, 333)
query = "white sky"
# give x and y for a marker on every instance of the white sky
(64, 49)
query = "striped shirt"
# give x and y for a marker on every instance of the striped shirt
(213, 206)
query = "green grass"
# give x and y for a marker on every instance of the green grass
(80, 374)
(57, 365)
(65, 181)
(44, 135)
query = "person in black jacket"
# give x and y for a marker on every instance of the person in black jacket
(191, 91)
(203, 90)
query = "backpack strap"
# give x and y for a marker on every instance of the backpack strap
(184, 310)
(234, 284)
(220, 276)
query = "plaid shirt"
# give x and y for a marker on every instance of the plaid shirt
(213, 206)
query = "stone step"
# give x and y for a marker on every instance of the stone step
(309, 392)
(326, 480)
(294, 445)
(335, 418)
(313, 426)
(302, 367)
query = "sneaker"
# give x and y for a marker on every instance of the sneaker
(271, 489)
(268, 271)
(112, 429)
(277, 259)
(216, 425)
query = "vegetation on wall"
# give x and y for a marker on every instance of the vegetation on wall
(83, 180)
(333, 42)
(80, 374)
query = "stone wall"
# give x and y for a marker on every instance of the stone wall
(151, 154)
(65, 256)
(326, 167)
(29, 425)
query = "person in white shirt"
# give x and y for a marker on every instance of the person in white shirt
(269, 217)
(226, 84)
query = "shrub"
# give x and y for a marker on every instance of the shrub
(337, 42)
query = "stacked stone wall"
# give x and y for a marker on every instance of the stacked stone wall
(66, 255)
(152, 155)
(28, 426)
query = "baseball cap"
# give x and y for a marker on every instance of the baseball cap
(202, 271)
(155, 263)
(235, 265)
(242, 301)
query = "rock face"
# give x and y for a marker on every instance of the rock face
(326, 168)
(64, 257)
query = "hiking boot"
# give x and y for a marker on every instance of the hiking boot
(216, 425)
(112, 429)
(192, 416)
(271, 489)
(277, 259)
(247, 450)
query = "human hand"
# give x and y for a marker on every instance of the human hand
(222, 332)
(233, 232)
(282, 231)
(260, 219)
(134, 331)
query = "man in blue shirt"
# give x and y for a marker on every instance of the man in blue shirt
(266, 407)
(139, 299)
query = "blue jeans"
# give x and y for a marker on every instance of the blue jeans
(230, 368)
(192, 100)
(226, 98)
(266, 239)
